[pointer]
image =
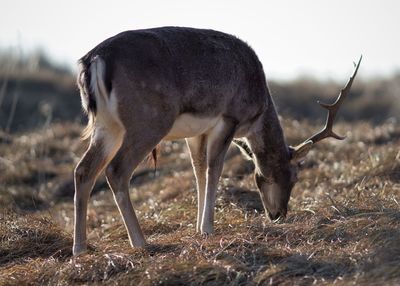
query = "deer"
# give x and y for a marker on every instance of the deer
(141, 87)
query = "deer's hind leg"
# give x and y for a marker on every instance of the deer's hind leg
(138, 143)
(103, 146)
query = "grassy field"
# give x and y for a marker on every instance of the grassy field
(343, 225)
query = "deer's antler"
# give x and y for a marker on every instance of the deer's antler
(333, 109)
(327, 131)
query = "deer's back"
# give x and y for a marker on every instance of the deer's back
(195, 71)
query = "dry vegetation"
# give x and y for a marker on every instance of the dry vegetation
(343, 226)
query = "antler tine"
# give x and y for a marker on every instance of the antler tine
(327, 131)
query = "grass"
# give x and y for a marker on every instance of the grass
(343, 226)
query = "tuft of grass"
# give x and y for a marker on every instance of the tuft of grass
(28, 237)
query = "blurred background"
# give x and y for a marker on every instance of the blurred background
(307, 49)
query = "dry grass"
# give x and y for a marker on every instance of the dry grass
(343, 226)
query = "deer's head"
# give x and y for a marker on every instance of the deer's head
(276, 181)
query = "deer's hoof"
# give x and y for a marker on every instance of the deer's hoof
(206, 235)
(79, 249)
(206, 231)
(139, 243)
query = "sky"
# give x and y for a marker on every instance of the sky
(317, 38)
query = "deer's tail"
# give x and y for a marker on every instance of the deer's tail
(95, 92)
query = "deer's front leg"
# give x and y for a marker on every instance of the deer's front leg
(218, 142)
(198, 153)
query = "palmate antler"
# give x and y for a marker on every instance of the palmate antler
(303, 148)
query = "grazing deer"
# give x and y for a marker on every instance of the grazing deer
(141, 87)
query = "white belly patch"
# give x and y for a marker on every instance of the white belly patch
(187, 125)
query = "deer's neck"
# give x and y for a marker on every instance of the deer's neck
(268, 144)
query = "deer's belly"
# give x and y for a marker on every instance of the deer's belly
(187, 125)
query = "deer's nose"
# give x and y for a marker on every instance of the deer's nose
(277, 216)
(274, 216)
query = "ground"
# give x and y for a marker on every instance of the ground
(343, 225)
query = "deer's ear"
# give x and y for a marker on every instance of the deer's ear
(298, 152)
